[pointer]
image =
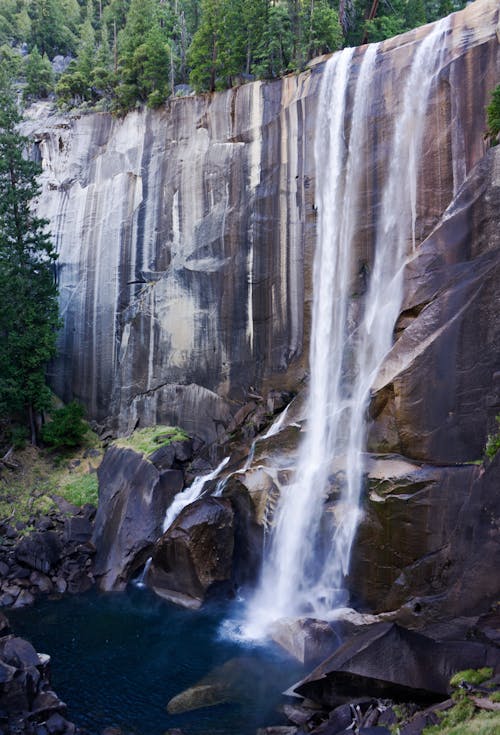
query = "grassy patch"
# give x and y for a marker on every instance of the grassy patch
(81, 490)
(464, 718)
(482, 723)
(471, 676)
(148, 440)
(27, 490)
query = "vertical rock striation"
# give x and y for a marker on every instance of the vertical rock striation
(185, 235)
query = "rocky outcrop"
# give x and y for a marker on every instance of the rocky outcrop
(429, 539)
(28, 704)
(54, 558)
(189, 230)
(388, 660)
(193, 558)
(438, 391)
(133, 498)
(211, 548)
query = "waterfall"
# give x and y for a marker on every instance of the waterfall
(299, 576)
(192, 493)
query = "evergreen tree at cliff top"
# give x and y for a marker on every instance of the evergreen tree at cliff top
(29, 309)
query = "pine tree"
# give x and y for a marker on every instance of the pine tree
(144, 57)
(39, 76)
(50, 28)
(322, 31)
(29, 315)
(275, 51)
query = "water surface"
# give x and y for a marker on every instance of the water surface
(118, 658)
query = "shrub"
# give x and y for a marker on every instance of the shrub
(493, 443)
(19, 435)
(493, 116)
(67, 427)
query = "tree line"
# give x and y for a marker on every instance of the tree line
(126, 53)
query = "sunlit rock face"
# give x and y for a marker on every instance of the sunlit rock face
(181, 236)
(186, 234)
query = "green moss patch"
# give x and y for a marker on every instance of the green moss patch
(148, 440)
(482, 723)
(471, 676)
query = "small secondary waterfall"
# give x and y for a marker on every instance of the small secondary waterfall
(299, 577)
(192, 493)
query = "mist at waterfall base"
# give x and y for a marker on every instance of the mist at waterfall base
(117, 659)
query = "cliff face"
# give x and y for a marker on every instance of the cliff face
(181, 236)
(185, 235)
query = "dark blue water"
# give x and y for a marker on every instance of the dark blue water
(117, 659)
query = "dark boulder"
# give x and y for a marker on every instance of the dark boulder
(389, 661)
(247, 556)
(78, 529)
(40, 551)
(163, 458)
(18, 652)
(194, 558)
(28, 706)
(133, 498)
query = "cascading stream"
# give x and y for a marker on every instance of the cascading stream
(346, 351)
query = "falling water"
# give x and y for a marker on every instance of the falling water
(192, 493)
(344, 360)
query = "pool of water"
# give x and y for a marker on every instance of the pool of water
(117, 659)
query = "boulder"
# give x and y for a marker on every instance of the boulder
(233, 681)
(27, 703)
(40, 551)
(388, 661)
(306, 639)
(18, 652)
(133, 498)
(77, 529)
(194, 558)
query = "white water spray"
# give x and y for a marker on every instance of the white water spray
(192, 493)
(298, 577)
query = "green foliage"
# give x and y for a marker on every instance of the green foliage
(52, 26)
(39, 76)
(128, 53)
(80, 490)
(151, 438)
(19, 435)
(493, 117)
(471, 676)
(208, 48)
(29, 316)
(463, 718)
(483, 723)
(66, 427)
(144, 57)
(323, 33)
(11, 61)
(274, 52)
(493, 443)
